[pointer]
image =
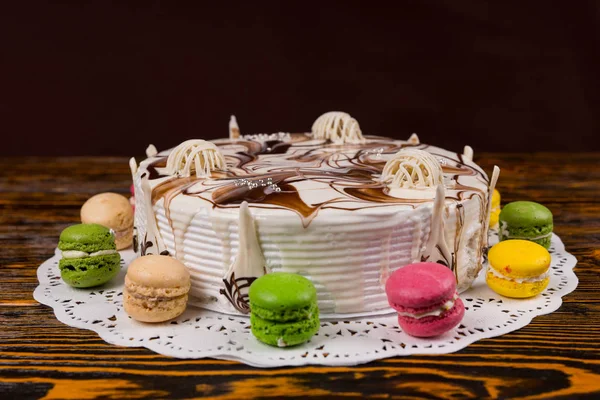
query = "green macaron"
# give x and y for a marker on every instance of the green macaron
(89, 255)
(526, 220)
(283, 309)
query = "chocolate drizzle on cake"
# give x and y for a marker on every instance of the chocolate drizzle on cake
(313, 177)
(350, 170)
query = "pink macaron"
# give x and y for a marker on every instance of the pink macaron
(424, 294)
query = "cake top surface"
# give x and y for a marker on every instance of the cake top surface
(299, 173)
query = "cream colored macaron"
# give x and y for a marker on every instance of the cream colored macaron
(112, 211)
(156, 288)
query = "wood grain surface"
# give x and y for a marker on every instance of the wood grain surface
(556, 356)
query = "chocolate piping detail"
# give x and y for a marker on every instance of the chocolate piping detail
(249, 263)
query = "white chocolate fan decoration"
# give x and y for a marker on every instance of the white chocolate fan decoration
(412, 169)
(339, 127)
(195, 156)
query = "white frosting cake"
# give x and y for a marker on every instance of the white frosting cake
(307, 204)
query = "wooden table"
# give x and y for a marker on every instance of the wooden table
(557, 355)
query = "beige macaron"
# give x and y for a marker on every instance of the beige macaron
(156, 288)
(112, 211)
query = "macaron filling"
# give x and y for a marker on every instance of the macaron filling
(138, 290)
(157, 301)
(89, 271)
(284, 334)
(427, 312)
(285, 314)
(527, 233)
(71, 254)
(538, 278)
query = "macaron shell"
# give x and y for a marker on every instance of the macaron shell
(540, 235)
(283, 309)
(124, 239)
(86, 237)
(284, 334)
(113, 211)
(526, 220)
(420, 285)
(494, 218)
(280, 291)
(495, 211)
(433, 326)
(90, 271)
(526, 214)
(158, 272)
(519, 290)
(519, 259)
(156, 288)
(495, 199)
(153, 310)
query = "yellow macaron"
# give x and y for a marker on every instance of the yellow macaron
(495, 212)
(518, 268)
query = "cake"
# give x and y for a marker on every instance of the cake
(341, 208)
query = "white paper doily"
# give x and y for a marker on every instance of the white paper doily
(200, 333)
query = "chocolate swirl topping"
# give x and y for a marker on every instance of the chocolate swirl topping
(305, 176)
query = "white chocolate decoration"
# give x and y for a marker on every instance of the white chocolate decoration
(493, 181)
(195, 156)
(414, 139)
(249, 262)
(152, 242)
(151, 151)
(412, 169)
(234, 129)
(339, 127)
(468, 153)
(437, 240)
(133, 167)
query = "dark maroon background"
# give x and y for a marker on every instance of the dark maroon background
(101, 78)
